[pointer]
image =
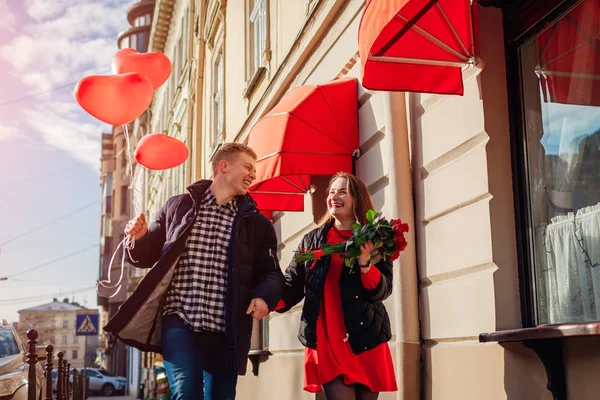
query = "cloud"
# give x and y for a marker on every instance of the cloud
(40, 10)
(80, 139)
(67, 40)
(9, 19)
(8, 133)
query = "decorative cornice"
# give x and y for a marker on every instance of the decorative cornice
(161, 24)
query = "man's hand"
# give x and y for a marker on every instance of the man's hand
(258, 309)
(137, 227)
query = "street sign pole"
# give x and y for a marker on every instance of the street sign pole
(85, 381)
(86, 324)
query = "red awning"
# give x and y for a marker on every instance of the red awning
(416, 45)
(313, 130)
(569, 57)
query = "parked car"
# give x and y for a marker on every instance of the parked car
(101, 381)
(13, 368)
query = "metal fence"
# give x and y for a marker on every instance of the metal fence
(66, 389)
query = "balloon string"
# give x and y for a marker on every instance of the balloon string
(137, 200)
(128, 244)
(129, 161)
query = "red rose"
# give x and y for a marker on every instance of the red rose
(400, 242)
(398, 226)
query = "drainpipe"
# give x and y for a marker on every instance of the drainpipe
(196, 138)
(405, 289)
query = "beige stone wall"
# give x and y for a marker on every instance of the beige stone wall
(335, 55)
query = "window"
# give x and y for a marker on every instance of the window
(92, 373)
(258, 33)
(125, 42)
(8, 344)
(124, 200)
(53, 324)
(64, 340)
(217, 96)
(133, 41)
(75, 339)
(141, 42)
(74, 355)
(65, 324)
(113, 196)
(124, 150)
(558, 160)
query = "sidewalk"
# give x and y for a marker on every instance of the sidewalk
(111, 398)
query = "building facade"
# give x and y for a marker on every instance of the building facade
(453, 167)
(498, 283)
(55, 323)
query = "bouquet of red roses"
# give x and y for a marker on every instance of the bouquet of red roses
(387, 236)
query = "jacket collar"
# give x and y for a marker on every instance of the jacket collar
(322, 231)
(198, 189)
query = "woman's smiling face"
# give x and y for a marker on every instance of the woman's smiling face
(339, 202)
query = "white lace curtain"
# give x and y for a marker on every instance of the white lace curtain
(568, 267)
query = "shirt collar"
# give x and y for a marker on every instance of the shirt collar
(209, 198)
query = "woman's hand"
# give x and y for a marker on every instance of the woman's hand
(365, 255)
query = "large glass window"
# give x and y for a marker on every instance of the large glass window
(560, 76)
(258, 32)
(8, 344)
(218, 104)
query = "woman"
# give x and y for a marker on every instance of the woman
(344, 325)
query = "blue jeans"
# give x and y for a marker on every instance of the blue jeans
(194, 363)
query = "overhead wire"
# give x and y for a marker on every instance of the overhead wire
(33, 95)
(49, 223)
(16, 300)
(34, 178)
(50, 262)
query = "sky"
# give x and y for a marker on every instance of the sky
(50, 148)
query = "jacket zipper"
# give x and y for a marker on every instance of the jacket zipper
(273, 258)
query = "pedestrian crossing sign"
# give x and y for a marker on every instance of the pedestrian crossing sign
(87, 325)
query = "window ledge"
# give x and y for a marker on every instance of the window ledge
(547, 342)
(257, 357)
(554, 331)
(253, 83)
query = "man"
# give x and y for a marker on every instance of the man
(214, 267)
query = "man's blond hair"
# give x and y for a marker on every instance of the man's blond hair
(227, 151)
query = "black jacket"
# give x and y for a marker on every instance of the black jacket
(254, 272)
(367, 321)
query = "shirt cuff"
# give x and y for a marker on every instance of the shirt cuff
(371, 279)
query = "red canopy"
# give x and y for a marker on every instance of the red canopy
(416, 45)
(313, 130)
(569, 56)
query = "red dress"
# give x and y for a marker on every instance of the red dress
(333, 356)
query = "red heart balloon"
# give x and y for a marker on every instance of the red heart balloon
(157, 151)
(114, 99)
(154, 66)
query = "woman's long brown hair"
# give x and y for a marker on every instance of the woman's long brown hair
(360, 194)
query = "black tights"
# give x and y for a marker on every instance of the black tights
(338, 390)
